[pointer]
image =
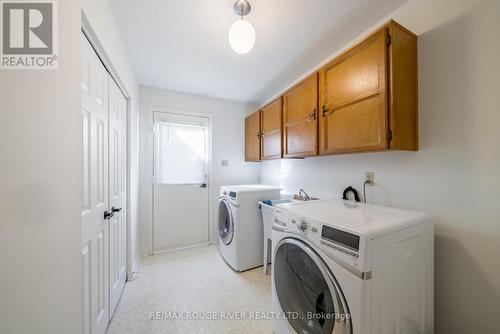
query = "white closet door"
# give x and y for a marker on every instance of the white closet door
(95, 257)
(117, 193)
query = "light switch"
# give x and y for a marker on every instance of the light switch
(224, 163)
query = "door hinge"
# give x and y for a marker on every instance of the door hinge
(389, 135)
(388, 39)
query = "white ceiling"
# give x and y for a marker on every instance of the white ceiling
(182, 45)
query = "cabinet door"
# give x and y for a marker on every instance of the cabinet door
(353, 96)
(270, 125)
(300, 126)
(252, 137)
(403, 87)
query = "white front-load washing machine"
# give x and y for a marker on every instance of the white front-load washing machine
(240, 224)
(351, 268)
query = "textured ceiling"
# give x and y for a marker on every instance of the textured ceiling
(182, 45)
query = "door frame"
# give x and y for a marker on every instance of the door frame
(90, 34)
(150, 168)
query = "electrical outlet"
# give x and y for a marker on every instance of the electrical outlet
(224, 163)
(369, 178)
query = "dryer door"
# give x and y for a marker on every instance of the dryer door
(308, 290)
(226, 222)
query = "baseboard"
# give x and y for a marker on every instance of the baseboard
(168, 250)
(135, 268)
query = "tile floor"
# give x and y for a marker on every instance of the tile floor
(195, 280)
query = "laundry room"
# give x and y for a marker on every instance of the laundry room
(249, 166)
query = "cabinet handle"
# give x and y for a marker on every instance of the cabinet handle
(324, 111)
(312, 115)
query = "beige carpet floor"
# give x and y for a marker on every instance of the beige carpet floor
(195, 280)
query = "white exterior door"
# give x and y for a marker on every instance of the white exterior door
(117, 193)
(180, 208)
(94, 247)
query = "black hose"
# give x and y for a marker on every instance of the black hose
(350, 190)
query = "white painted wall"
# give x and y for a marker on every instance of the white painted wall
(455, 174)
(40, 191)
(227, 143)
(100, 17)
(40, 174)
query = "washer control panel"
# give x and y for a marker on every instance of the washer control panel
(229, 194)
(334, 241)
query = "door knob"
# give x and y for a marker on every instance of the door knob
(113, 209)
(108, 215)
(204, 185)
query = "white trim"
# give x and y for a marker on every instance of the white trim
(169, 250)
(150, 166)
(136, 265)
(180, 184)
(180, 119)
(135, 268)
(91, 36)
(89, 32)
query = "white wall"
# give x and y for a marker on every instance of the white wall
(40, 191)
(455, 174)
(227, 143)
(103, 23)
(40, 174)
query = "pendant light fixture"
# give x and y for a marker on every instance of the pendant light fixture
(241, 35)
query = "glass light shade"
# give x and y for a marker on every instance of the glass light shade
(241, 36)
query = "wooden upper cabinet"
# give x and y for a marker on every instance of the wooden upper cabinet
(300, 114)
(353, 99)
(368, 95)
(270, 126)
(364, 100)
(403, 98)
(252, 137)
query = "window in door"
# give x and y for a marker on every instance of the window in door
(182, 153)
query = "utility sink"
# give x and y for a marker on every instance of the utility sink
(297, 197)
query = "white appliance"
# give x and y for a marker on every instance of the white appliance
(344, 267)
(240, 224)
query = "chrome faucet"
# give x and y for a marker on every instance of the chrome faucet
(306, 196)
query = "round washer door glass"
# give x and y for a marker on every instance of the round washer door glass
(307, 291)
(226, 224)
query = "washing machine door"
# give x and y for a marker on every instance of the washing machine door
(307, 289)
(226, 222)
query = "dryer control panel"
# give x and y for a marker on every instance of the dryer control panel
(335, 242)
(341, 240)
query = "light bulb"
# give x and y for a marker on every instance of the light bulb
(241, 36)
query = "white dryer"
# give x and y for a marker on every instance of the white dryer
(240, 224)
(351, 268)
